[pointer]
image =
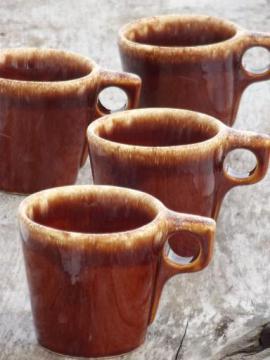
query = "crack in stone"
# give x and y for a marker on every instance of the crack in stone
(181, 342)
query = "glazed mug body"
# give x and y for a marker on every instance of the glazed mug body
(191, 62)
(176, 155)
(96, 263)
(48, 98)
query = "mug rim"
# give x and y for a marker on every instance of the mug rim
(41, 87)
(173, 51)
(140, 152)
(47, 234)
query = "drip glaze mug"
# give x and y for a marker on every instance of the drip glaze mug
(191, 61)
(48, 98)
(175, 155)
(96, 260)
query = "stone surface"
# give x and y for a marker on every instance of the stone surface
(220, 304)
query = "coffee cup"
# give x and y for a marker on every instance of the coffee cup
(48, 98)
(191, 62)
(178, 156)
(96, 260)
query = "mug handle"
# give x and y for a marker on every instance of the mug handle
(129, 83)
(204, 228)
(258, 144)
(253, 39)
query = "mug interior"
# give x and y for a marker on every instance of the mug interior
(42, 65)
(157, 130)
(92, 212)
(177, 31)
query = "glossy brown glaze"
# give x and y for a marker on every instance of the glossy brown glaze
(175, 155)
(191, 62)
(96, 263)
(47, 100)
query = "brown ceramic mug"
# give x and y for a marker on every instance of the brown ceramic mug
(47, 100)
(190, 61)
(176, 155)
(96, 260)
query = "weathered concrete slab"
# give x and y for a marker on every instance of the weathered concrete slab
(231, 297)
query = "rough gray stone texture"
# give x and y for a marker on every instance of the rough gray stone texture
(223, 302)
